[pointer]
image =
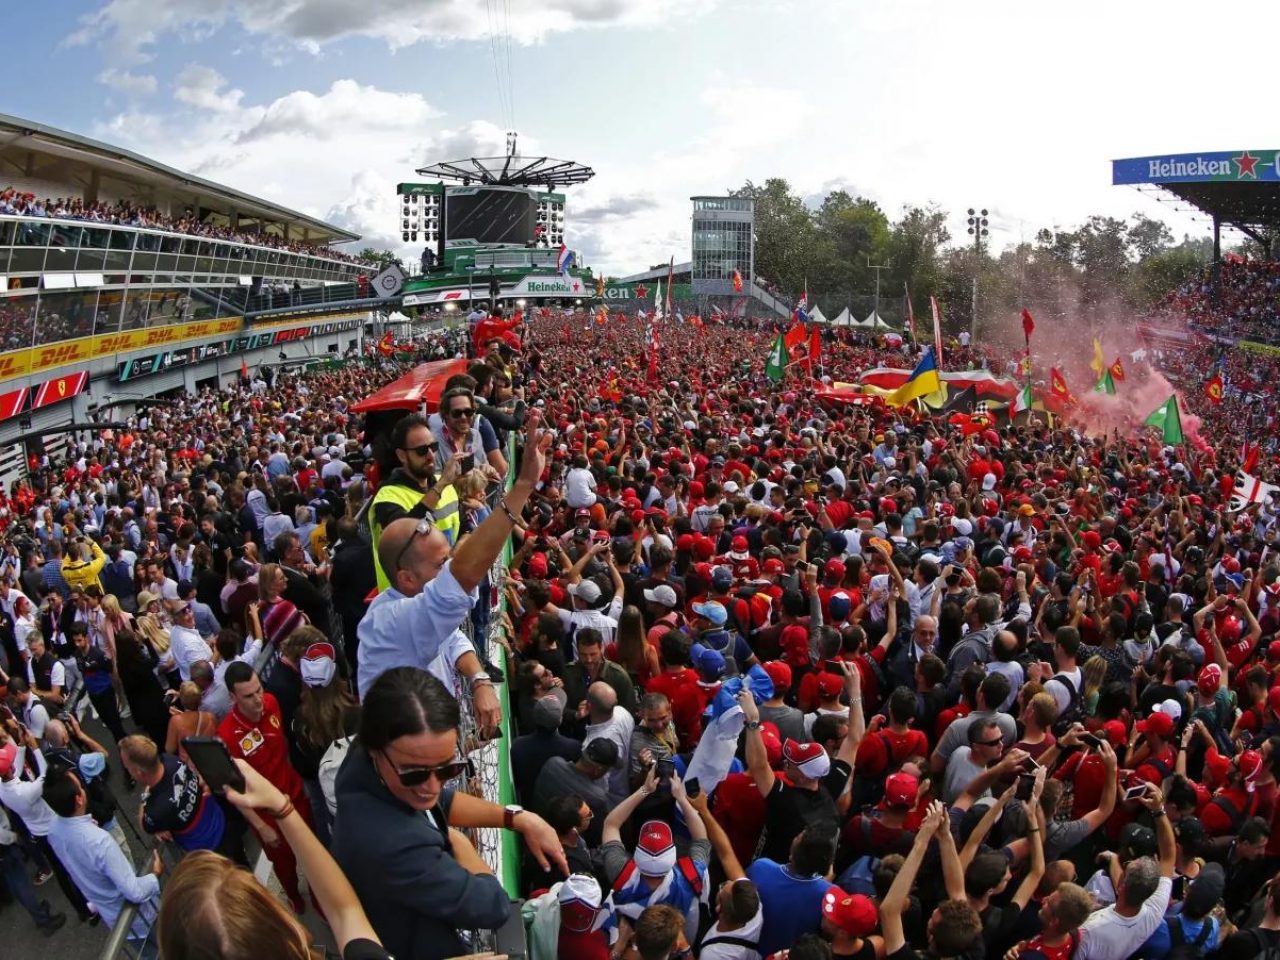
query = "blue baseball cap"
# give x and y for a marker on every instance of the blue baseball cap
(713, 611)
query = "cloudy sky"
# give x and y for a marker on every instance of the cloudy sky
(324, 105)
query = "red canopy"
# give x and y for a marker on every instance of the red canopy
(423, 384)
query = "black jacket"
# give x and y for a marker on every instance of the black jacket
(401, 865)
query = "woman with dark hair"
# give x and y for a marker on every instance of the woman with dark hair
(136, 662)
(418, 876)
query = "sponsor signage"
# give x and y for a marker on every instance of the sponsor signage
(1228, 165)
(11, 403)
(158, 362)
(59, 389)
(547, 285)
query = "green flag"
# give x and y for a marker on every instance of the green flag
(1167, 420)
(775, 367)
(1106, 384)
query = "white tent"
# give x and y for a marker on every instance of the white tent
(874, 322)
(816, 315)
(398, 317)
(843, 319)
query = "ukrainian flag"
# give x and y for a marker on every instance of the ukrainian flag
(923, 381)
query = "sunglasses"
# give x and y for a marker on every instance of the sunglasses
(457, 413)
(416, 776)
(423, 449)
(998, 741)
(424, 527)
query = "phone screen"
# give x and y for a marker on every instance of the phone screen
(467, 463)
(665, 769)
(1026, 784)
(1133, 793)
(212, 761)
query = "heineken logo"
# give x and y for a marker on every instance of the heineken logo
(553, 286)
(1199, 167)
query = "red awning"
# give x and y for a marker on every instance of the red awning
(423, 384)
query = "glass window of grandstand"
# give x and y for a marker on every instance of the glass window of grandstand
(17, 322)
(65, 316)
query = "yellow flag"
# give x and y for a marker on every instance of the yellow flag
(1098, 364)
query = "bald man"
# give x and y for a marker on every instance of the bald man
(902, 664)
(415, 622)
(607, 720)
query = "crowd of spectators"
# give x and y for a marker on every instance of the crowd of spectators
(1237, 298)
(785, 677)
(127, 213)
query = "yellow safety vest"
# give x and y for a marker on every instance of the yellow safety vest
(446, 518)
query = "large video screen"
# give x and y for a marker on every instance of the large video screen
(489, 215)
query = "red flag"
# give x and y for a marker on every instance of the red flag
(971, 423)
(1028, 325)
(795, 337)
(1117, 371)
(1058, 384)
(815, 344)
(1213, 389)
(737, 282)
(1249, 453)
(387, 345)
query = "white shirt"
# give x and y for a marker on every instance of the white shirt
(606, 621)
(749, 931)
(580, 488)
(186, 646)
(618, 729)
(1060, 693)
(1107, 935)
(25, 797)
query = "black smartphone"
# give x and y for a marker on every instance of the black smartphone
(833, 666)
(1026, 784)
(1030, 765)
(666, 769)
(467, 463)
(213, 762)
(1091, 739)
(692, 787)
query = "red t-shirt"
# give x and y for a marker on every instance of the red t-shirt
(264, 747)
(794, 642)
(1217, 821)
(740, 810)
(1089, 775)
(947, 717)
(885, 748)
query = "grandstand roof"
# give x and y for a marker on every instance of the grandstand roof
(34, 156)
(1238, 188)
(659, 272)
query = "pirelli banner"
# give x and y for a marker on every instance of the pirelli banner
(49, 356)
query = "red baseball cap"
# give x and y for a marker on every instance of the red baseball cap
(1161, 724)
(1273, 650)
(780, 674)
(538, 566)
(829, 685)
(772, 565)
(1115, 732)
(1209, 679)
(772, 739)
(900, 790)
(853, 913)
(834, 568)
(1091, 539)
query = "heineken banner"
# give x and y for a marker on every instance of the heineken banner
(1228, 165)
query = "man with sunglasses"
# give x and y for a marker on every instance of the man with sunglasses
(460, 430)
(412, 489)
(415, 621)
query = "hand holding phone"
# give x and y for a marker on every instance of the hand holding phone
(212, 760)
(666, 769)
(1138, 792)
(1026, 787)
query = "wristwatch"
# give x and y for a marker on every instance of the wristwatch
(752, 724)
(509, 814)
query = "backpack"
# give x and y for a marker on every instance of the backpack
(327, 775)
(1180, 947)
(1235, 815)
(1266, 950)
(1074, 712)
(859, 876)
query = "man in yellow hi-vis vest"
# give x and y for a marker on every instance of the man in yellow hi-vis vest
(413, 490)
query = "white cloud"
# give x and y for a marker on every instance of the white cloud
(345, 109)
(202, 87)
(129, 28)
(133, 84)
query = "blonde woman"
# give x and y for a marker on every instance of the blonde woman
(114, 622)
(186, 719)
(1092, 674)
(156, 636)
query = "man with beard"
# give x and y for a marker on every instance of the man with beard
(412, 489)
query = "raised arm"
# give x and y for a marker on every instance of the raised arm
(719, 839)
(619, 815)
(1107, 805)
(1035, 837)
(757, 758)
(895, 901)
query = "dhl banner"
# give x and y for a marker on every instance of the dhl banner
(59, 389)
(49, 356)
